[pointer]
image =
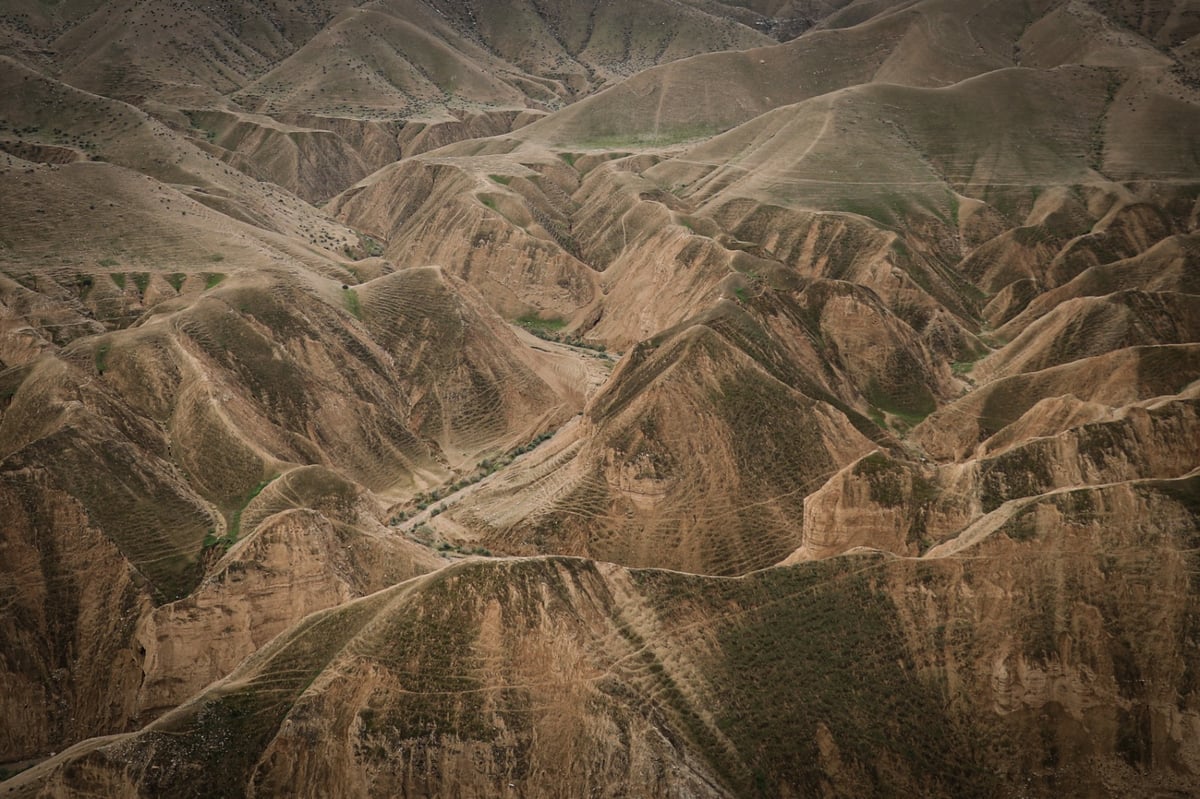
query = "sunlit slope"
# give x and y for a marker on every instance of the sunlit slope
(933, 43)
(50, 122)
(431, 210)
(521, 665)
(918, 281)
(700, 451)
(161, 378)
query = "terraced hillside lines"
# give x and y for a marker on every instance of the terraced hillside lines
(471, 388)
(547, 656)
(1115, 379)
(652, 482)
(311, 540)
(42, 110)
(313, 163)
(62, 680)
(672, 398)
(1085, 327)
(428, 213)
(116, 464)
(1162, 267)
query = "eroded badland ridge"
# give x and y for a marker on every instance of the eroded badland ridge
(540, 398)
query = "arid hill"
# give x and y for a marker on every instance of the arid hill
(778, 398)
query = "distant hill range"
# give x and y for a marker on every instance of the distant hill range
(538, 398)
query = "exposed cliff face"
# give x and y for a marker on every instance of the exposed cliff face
(563, 674)
(135, 457)
(885, 485)
(315, 542)
(436, 213)
(72, 602)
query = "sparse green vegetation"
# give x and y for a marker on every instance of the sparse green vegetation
(886, 479)
(370, 246)
(101, 357)
(831, 634)
(484, 468)
(212, 279)
(142, 281)
(656, 138)
(503, 180)
(176, 280)
(83, 284)
(351, 301)
(535, 322)
(547, 330)
(235, 519)
(108, 263)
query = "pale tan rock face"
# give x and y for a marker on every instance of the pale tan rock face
(280, 575)
(556, 658)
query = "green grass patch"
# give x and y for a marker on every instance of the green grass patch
(213, 279)
(216, 258)
(908, 400)
(351, 301)
(235, 519)
(371, 247)
(658, 138)
(570, 158)
(118, 279)
(535, 322)
(176, 280)
(142, 281)
(108, 263)
(101, 357)
(548, 330)
(503, 180)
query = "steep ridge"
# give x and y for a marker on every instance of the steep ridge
(396, 55)
(677, 465)
(165, 437)
(861, 368)
(1116, 378)
(432, 211)
(645, 671)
